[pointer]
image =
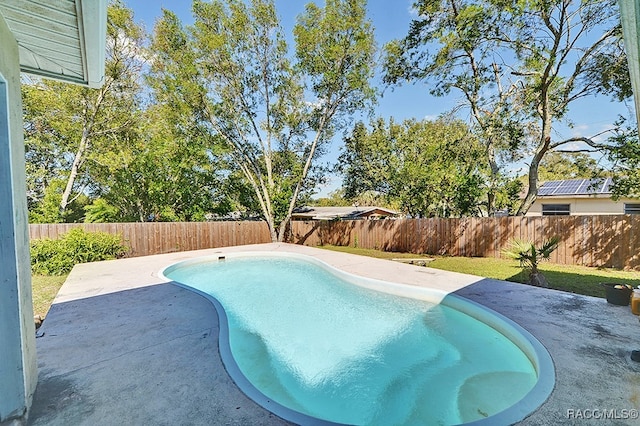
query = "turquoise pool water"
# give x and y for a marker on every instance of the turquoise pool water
(332, 350)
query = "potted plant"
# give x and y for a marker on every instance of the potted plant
(618, 294)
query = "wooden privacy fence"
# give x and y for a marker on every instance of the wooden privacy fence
(610, 241)
(165, 237)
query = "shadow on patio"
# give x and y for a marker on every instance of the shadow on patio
(143, 356)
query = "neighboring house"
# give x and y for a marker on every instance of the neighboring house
(63, 40)
(580, 197)
(346, 213)
(234, 215)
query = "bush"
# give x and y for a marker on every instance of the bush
(57, 257)
(530, 257)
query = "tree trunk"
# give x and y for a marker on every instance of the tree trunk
(495, 173)
(271, 223)
(532, 191)
(84, 144)
(273, 232)
(284, 227)
(538, 280)
(75, 167)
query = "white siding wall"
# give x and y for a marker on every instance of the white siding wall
(18, 372)
(583, 206)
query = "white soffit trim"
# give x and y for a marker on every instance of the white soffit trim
(60, 39)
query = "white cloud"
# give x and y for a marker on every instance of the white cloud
(574, 146)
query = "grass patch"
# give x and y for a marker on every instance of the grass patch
(44, 289)
(572, 279)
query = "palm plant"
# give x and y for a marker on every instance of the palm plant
(530, 256)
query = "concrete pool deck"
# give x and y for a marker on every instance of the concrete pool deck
(121, 346)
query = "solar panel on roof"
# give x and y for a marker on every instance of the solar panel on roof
(548, 188)
(568, 187)
(584, 186)
(599, 185)
(596, 186)
(588, 186)
(575, 187)
(545, 190)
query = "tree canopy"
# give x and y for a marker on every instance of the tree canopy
(624, 154)
(231, 113)
(572, 165)
(232, 71)
(425, 168)
(519, 67)
(67, 127)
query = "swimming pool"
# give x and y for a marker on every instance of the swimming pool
(302, 340)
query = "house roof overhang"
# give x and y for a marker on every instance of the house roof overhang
(60, 39)
(344, 212)
(630, 18)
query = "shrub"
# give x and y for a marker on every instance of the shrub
(57, 257)
(530, 256)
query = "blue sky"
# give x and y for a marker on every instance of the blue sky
(391, 20)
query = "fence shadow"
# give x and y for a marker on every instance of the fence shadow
(300, 236)
(609, 241)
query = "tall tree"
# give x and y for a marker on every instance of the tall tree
(333, 199)
(155, 174)
(561, 165)
(519, 66)
(365, 158)
(461, 36)
(232, 72)
(624, 154)
(74, 120)
(425, 168)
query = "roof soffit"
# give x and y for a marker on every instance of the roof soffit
(60, 39)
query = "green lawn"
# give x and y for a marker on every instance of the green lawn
(573, 279)
(45, 289)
